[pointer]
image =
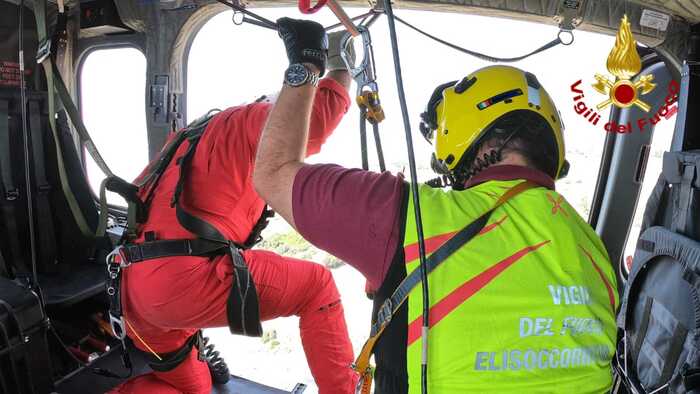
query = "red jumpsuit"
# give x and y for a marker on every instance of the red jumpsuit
(167, 300)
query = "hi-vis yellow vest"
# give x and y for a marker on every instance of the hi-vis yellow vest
(527, 306)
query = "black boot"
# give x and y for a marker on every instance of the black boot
(217, 365)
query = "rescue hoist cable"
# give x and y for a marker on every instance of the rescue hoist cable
(414, 191)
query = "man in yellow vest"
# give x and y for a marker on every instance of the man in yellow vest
(527, 305)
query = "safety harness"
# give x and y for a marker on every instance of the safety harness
(392, 304)
(242, 305)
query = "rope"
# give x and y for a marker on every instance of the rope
(488, 58)
(416, 199)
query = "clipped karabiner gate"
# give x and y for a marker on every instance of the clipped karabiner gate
(367, 94)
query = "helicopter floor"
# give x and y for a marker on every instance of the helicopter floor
(84, 381)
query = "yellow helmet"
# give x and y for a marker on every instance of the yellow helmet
(460, 113)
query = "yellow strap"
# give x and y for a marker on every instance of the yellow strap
(362, 365)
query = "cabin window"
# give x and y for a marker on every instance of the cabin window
(112, 86)
(229, 65)
(661, 142)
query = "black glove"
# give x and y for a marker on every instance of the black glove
(305, 41)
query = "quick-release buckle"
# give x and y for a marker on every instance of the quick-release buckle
(43, 51)
(385, 312)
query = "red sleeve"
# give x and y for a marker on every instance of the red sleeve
(352, 214)
(330, 104)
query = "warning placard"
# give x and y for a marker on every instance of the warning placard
(10, 74)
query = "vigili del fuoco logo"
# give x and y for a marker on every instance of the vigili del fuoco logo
(624, 63)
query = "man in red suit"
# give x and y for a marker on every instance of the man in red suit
(167, 300)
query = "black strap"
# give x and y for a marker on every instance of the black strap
(683, 208)
(439, 256)
(242, 306)
(8, 184)
(674, 352)
(691, 379)
(9, 199)
(646, 315)
(170, 361)
(47, 238)
(4, 269)
(172, 247)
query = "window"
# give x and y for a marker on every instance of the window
(229, 65)
(661, 142)
(112, 86)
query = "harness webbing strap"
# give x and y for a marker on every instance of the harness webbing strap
(171, 247)
(170, 361)
(11, 193)
(4, 271)
(391, 306)
(6, 176)
(55, 85)
(8, 183)
(40, 15)
(242, 306)
(47, 238)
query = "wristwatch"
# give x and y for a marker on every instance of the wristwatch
(298, 74)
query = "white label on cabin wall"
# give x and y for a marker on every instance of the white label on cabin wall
(655, 20)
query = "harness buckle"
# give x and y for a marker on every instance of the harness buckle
(117, 324)
(116, 260)
(385, 312)
(43, 52)
(364, 384)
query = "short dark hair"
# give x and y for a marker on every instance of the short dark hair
(522, 131)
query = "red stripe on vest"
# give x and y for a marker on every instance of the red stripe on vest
(433, 243)
(458, 296)
(608, 286)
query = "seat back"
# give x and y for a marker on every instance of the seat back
(660, 312)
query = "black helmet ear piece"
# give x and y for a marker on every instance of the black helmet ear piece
(429, 118)
(564, 170)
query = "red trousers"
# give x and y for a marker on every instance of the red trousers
(167, 300)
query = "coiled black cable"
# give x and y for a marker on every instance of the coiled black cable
(217, 366)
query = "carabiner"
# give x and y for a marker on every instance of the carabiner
(116, 260)
(364, 74)
(117, 324)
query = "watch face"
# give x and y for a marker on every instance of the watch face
(296, 74)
